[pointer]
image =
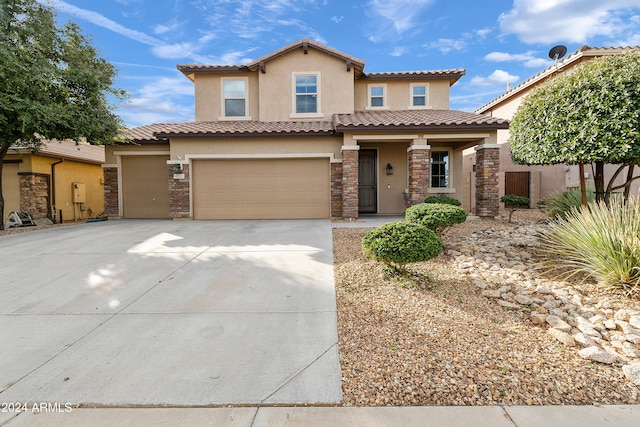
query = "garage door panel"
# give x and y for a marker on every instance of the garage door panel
(261, 189)
(145, 190)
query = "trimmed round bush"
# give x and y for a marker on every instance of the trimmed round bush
(436, 216)
(445, 200)
(399, 243)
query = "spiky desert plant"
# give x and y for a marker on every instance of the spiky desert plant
(560, 204)
(600, 241)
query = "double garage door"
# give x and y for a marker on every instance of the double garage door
(261, 188)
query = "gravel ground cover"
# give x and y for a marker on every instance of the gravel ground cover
(471, 326)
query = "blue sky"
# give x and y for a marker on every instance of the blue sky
(496, 42)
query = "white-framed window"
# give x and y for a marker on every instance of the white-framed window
(377, 96)
(306, 95)
(235, 98)
(440, 164)
(419, 96)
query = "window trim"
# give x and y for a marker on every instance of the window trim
(426, 105)
(449, 188)
(384, 105)
(223, 116)
(294, 95)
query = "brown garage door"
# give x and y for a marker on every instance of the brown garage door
(261, 189)
(145, 187)
(10, 188)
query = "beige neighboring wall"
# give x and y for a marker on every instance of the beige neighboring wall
(399, 93)
(112, 159)
(276, 85)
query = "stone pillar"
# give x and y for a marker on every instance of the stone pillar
(419, 169)
(179, 192)
(336, 189)
(487, 165)
(34, 194)
(350, 181)
(111, 201)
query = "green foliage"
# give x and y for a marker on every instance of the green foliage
(446, 200)
(513, 202)
(436, 216)
(600, 241)
(54, 84)
(588, 115)
(399, 243)
(562, 203)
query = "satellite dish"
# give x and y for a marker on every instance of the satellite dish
(557, 52)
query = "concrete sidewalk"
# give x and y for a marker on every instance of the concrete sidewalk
(440, 416)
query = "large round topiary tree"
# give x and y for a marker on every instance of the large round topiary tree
(436, 216)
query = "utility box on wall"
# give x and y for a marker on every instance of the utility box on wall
(79, 192)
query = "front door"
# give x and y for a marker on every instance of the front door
(367, 180)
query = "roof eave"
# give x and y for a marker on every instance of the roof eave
(423, 128)
(169, 135)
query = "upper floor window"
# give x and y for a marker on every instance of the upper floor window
(377, 96)
(234, 98)
(306, 88)
(439, 169)
(419, 95)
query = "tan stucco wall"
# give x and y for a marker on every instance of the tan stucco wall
(276, 86)
(111, 159)
(208, 95)
(399, 94)
(390, 187)
(266, 145)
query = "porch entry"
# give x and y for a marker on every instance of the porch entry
(367, 181)
(517, 184)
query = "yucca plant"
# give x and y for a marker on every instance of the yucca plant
(561, 204)
(602, 242)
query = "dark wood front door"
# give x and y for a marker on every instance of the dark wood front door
(516, 184)
(367, 180)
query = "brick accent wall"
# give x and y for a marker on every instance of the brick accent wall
(34, 194)
(487, 165)
(419, 161)
(350, 183)
(179, 193)
(336, 189)
(111, 202)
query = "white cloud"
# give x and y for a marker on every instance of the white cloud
(528, 59)
(337, 19)
(498, 77)
(400, 14)
(574, 21)
(399, 51)
(447, 45)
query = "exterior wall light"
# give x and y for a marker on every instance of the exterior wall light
(389, 169)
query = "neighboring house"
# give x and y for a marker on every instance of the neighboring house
(62, 181)
(303, 132)
(538, 182)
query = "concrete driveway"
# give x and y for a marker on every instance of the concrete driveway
(184, 313)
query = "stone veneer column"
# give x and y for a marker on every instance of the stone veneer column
(487, 165)
(34, 194)
(179, 192)
(336, 189)
(419, 164)
(111, 201)
(350, 181)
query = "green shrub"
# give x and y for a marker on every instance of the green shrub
(399, 243)
(445, 200)
(513, 202)
(436, 216)
(561, 204)
(602, 242)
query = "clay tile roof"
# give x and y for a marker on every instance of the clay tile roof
(146, 133)
(304, 43)
(452, 75)
(416, 120)
(243, 128)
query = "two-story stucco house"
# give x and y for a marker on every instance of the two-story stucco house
(304, 132)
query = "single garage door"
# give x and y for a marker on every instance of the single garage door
(10, 188)
(261, 189)
(145, 187)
